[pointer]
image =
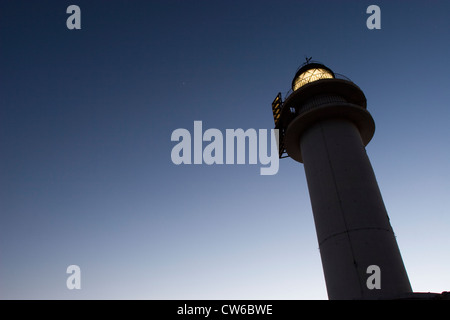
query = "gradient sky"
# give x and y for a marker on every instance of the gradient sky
(86, 117)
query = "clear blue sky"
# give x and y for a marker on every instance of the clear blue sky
(86, 117)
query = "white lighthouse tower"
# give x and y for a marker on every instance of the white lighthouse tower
(324, 124)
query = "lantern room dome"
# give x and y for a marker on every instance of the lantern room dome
(311, 72)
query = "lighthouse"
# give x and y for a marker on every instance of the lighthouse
(324, 124)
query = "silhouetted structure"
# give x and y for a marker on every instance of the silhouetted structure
(324, 124)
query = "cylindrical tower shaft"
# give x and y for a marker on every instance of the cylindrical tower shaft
(352, 224)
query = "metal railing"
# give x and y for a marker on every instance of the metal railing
(336, 76)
